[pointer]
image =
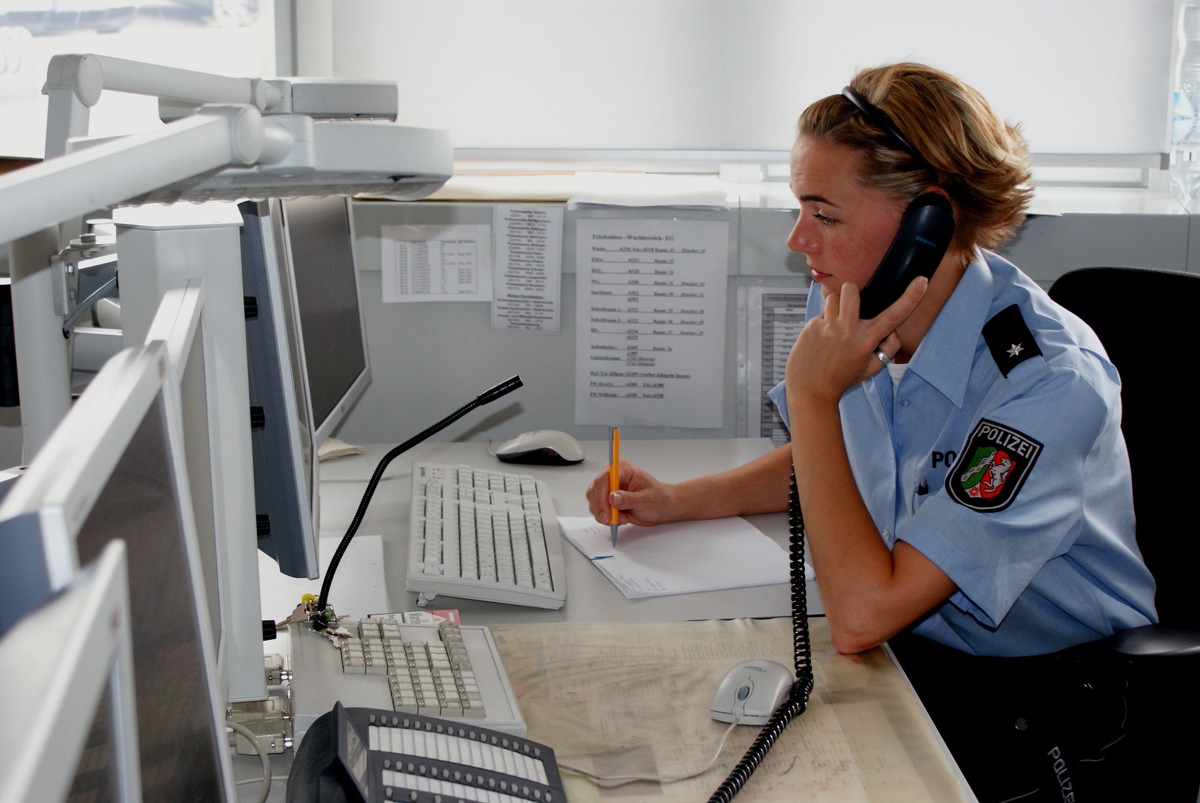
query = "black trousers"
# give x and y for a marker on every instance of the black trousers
(1081, 725)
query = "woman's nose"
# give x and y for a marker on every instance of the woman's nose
(798, 241)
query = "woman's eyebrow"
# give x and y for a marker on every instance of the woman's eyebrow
(821, 199)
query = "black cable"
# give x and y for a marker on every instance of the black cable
(319, 617)
(797, 701)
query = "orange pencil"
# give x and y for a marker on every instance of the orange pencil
(614, 478)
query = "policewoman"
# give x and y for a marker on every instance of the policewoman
(958, 455)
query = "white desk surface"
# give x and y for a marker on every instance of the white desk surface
(887, 748)
(591, 596)
(632, 698)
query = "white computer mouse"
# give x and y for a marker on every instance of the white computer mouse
(750, 692)
(544, 447)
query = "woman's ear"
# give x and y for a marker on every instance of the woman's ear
(937, 188)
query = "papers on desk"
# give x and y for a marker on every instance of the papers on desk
(680, 558)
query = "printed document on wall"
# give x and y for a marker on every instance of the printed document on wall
(436, 263)
(650, 311)
(528, 270)
(774, 318)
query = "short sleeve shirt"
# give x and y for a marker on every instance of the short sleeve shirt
(1000, 458)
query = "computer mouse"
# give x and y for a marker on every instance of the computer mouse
(751, 691)
(543, 447)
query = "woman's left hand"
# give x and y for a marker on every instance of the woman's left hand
(836, 350)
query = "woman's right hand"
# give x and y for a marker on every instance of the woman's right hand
(641, 499)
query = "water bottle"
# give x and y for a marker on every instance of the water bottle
(1185, 111)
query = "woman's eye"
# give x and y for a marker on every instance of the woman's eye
(828, 221)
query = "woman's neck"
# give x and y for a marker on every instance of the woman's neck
(941, 286)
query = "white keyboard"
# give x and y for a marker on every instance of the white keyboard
(447, 670)
(484, 535)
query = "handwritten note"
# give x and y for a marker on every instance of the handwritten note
(650, 339)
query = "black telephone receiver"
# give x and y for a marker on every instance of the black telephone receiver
(925, 233)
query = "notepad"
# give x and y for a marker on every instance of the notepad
(680, 558)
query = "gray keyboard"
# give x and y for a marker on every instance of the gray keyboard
(448, 671)
(486, 535)
(432, 677)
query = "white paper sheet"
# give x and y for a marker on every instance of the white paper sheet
(680, 558)
(774, 318)
(650, 321)
(528, 269)
(423, 262)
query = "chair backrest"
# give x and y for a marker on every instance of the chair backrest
(1147, 321)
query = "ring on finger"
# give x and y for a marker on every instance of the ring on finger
(883, 358)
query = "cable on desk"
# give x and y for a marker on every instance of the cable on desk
(797, 701)
(611, 781)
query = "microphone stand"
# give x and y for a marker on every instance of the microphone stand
(320, 616)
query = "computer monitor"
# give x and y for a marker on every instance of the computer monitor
(317, 237)
(281, 429)
(70, 729)
(112, 470)
(179, 325)
(307, 359)
(183, 325)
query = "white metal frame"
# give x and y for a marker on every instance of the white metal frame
(60, 660)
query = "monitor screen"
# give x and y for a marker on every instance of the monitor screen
(281, 430)
(318, 242)
(184, 323)
(70, 733)
(178, 324)
(113, 470)
(307, 360)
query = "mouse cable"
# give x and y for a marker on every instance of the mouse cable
(797, 701)
(610, 781)
(320, 616)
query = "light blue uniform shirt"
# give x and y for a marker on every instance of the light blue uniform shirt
(1042, 550)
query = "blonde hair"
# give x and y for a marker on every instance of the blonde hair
(977, 158)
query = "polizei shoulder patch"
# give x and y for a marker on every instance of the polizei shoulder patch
(1009, 340)
(992, 467)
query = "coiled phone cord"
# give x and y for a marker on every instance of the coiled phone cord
(797, 701)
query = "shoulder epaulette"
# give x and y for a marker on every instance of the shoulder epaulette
(1009, 340)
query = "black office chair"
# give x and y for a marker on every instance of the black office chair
(1146, 320)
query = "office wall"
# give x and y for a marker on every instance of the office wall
(429, 358)
(1082, 75)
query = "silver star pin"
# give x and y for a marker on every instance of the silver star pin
(1015, 349)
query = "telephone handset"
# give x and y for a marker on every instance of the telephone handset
(925, 233)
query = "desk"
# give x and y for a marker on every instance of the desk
(627, 682)
(633, 698)
(590, 596)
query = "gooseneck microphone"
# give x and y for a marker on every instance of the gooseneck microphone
(320, 616)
